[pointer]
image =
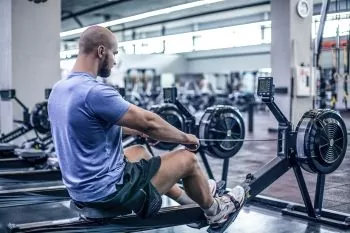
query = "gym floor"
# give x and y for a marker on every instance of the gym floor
(250, 158)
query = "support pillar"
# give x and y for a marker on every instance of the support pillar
(31, 42)
(291, 47)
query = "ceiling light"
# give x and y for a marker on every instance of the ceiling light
(143, 16)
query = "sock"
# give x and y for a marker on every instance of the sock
(184, 199)
(213, 209)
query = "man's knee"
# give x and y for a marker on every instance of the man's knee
(136, 153)
(189, 160)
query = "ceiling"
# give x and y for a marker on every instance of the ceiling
(77, 13)
(82, 13)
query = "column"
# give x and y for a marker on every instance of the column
(32, 43)
(5, 62)
(291, 47)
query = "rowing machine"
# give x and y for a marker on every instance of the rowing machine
(304, 148)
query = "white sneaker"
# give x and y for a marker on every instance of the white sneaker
(228, 204)
(212, 188)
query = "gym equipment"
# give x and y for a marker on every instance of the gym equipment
(37, 120)
(289, 145)
(37, 165)
(321, 141)
(169, 112)
(13, 157)
(288, 148)
(217, 139)
(142, 87)
(221, 123)
(7, 150)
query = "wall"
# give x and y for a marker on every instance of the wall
(163, 63)
(35, 49)
(240, 59)
(227, 60)
(5, 62)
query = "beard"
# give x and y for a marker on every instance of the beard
(104, 71)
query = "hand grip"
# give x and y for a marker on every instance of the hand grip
(151, 141)
(192, 147)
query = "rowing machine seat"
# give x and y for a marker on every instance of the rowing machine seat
(7, 147)
(30, 153)
(91, 213)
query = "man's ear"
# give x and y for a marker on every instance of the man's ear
(100, 51)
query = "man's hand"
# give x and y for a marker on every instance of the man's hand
(191, 143)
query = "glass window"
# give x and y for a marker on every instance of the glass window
(214, 39)
(248, 34)
(179, 43)
(149, 46)
(127, 47)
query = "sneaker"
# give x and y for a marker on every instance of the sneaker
(229, 203)
(213, 191)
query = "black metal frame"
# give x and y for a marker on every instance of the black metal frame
(42, 173)
(7, 95)
(286, 159)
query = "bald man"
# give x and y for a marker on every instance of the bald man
(87, 120)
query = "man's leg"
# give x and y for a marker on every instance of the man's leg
(136, 153)
(183, 164)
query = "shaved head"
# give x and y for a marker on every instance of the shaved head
(99, 45)
(95, 36)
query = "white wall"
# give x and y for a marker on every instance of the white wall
(227, 60)
(35, 49)
(5, 62)
(240, 59)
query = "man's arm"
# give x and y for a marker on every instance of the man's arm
(104, 102)
(132, 132)
(154, 126)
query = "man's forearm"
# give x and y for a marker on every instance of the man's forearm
(131, 132)
(163, 131)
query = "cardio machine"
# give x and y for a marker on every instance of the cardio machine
(317, 145)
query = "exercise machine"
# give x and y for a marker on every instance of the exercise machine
(221, 129)
(317, 145)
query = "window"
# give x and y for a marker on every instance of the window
(149, 46)
(180, 43)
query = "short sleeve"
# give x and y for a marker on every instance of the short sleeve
(107, 103)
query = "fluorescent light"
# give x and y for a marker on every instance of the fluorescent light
(144, 16)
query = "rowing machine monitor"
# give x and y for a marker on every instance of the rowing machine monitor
(47, 93)
(170, 94)
(7, 95)
(266, 88)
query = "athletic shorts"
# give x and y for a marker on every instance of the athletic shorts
(136, 194)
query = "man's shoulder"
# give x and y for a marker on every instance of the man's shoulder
(102, 88)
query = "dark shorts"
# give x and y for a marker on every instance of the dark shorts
(136, 193)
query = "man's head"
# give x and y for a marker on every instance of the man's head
(99, 43)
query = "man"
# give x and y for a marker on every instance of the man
(87, 118)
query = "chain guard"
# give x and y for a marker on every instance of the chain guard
(222, 122)
(171, 114)
(321, 141)
(39, 118)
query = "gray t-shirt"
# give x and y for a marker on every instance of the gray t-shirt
(83, 114)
